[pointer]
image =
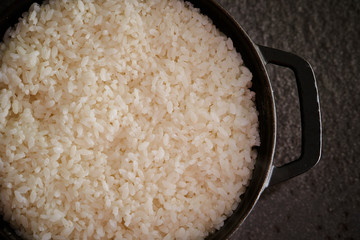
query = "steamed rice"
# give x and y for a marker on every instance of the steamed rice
(122, 120)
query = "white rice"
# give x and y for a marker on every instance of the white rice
(122, 120)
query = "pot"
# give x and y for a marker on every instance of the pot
(255, 57)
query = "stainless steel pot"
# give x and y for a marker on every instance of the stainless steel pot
(255, 57)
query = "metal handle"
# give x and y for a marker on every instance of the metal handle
(311, 131)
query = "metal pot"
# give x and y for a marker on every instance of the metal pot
(255, 57)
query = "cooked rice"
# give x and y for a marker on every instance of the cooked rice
(122, 120)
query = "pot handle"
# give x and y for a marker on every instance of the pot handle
(311, 130)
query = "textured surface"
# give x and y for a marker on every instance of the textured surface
(323, 203)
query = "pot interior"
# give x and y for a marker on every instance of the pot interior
(264, 103)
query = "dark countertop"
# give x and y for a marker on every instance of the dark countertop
(323, 203)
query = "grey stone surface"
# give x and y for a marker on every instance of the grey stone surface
(323, 203)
